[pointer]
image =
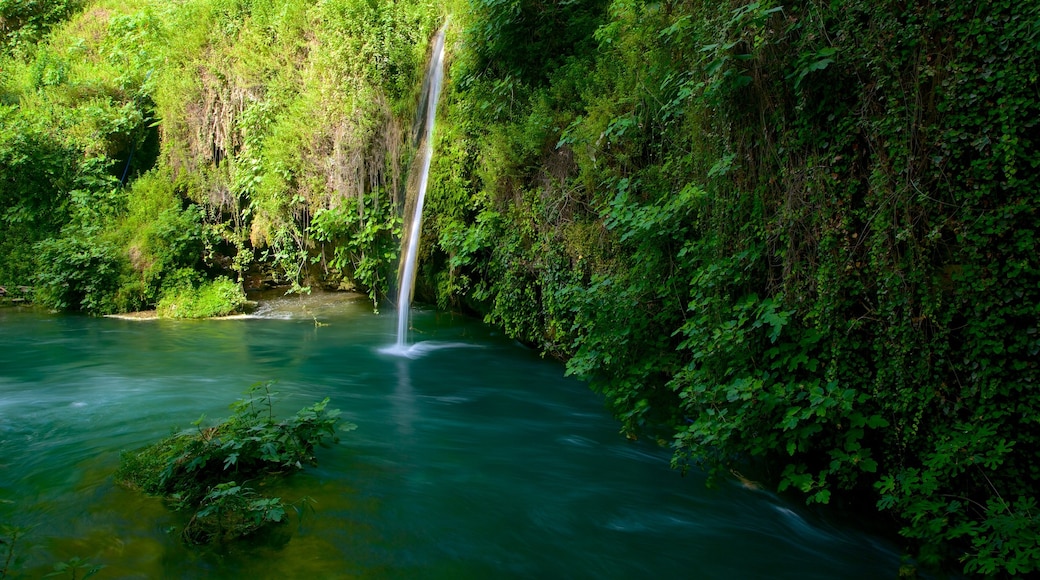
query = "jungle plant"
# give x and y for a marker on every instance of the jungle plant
(115, 124)
(23, 22)
(201, 469)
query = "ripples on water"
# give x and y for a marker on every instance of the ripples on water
(473, 458)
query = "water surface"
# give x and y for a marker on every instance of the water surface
(473, 458)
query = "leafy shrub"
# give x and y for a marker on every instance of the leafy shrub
(219, 297)
(79, 271)
(199, 470)
(295, 128)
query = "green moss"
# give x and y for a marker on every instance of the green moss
(142, 469)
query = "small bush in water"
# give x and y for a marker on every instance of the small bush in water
(199, 469)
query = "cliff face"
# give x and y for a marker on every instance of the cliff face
(801, 233)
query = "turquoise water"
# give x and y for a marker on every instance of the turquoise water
(473, 458)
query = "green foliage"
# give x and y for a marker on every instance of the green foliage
(167, 245)
(269, 113)
(79, 272)
(199, 470)
(364, 243)
(383, 43)
(231, 511)
(24, 22)
(519, 41)
(35, 170)
(799, 235)
(187, 298)
(794, 235)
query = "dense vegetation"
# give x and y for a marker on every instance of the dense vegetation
(148, 148)
(798, 238)
(798, 235)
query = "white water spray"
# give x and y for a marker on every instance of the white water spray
(435, 76)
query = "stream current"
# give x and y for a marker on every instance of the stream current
(473, 458)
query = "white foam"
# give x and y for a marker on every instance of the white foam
(421, 349)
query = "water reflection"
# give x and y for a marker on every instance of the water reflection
(403, 401)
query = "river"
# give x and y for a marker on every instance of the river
(473, 458)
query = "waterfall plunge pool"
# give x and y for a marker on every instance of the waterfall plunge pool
(473, 458)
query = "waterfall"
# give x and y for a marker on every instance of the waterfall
(432, 91)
